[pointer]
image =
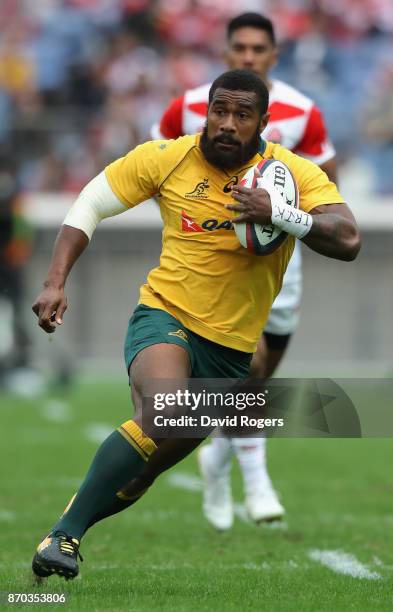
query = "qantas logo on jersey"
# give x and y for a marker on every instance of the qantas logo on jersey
(199, 191)
(189, 225)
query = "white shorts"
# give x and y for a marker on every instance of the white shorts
(285, 312)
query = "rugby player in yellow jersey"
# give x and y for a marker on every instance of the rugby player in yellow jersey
(202, 310)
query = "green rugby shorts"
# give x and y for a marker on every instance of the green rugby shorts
(149, 326)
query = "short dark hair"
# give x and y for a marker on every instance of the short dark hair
(252, 20)
(242, 80)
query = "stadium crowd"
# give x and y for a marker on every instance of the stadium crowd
(81, 81)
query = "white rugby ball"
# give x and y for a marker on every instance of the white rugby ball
(264, 239)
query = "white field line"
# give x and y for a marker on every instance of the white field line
(343, 563)
(56, 411)
(97, 432)
(223, 567)
(164, 567)
(185, 481)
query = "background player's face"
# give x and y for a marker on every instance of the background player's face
(232, 132)
(251, 49)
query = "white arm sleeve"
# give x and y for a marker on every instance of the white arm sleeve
(95, 202)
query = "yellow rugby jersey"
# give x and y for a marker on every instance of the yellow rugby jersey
(206, 279)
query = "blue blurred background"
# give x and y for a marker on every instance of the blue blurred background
(81, 81)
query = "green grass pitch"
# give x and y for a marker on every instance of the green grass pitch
(161, 554)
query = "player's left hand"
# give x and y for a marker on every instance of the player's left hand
(254, 205)
(50, 307)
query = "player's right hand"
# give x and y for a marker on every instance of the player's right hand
(49, 307)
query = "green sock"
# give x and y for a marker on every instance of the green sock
(118, 506)
(119, 459)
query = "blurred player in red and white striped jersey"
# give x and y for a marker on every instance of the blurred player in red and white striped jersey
(296, 123)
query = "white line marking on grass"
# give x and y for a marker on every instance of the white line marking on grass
(56, 411)
(343, 563)
(249, 566)
(164, 567)
(187, 482)
(6, 516)
(97, 432)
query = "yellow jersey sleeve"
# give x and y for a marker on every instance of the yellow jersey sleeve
(315, 188)
(137, 176)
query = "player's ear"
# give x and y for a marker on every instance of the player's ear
(264, 120)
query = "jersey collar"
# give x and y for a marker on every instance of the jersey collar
(262, 147)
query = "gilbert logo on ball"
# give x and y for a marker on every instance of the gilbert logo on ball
(264, 239)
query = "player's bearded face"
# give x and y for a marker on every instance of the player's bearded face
(237, 154)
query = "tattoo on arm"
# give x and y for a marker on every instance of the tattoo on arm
(333, 235)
